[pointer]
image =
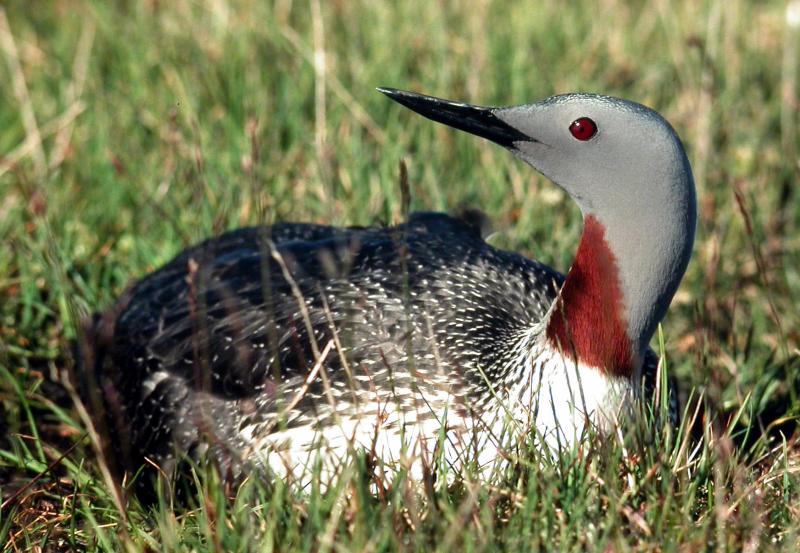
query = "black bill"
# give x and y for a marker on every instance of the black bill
(476, 120)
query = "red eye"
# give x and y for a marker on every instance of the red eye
(583, 128)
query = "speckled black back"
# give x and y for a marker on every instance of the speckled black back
(412, 305)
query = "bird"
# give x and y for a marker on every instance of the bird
(286, 348)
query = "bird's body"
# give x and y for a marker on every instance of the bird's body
(277, 346)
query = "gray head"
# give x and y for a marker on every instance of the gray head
(623, 165)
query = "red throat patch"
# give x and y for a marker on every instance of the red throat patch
(589, 320)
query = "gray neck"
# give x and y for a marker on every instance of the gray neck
(651, 234)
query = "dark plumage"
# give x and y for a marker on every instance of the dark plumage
(222, 319)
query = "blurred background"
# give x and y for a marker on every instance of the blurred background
(131, 129)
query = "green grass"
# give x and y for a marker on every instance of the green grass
(165, 122)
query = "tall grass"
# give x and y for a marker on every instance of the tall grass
(130, 130)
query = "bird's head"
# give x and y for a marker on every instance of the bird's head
(603, 151)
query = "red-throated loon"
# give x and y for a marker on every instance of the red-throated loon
(274, 346)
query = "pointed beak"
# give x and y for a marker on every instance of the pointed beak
(477, 120)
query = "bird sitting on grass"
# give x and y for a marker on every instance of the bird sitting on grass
(280, 347)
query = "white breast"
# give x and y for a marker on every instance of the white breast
(553, 404)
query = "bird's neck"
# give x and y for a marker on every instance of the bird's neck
(588, 321)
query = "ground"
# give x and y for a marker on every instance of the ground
(129, 130)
